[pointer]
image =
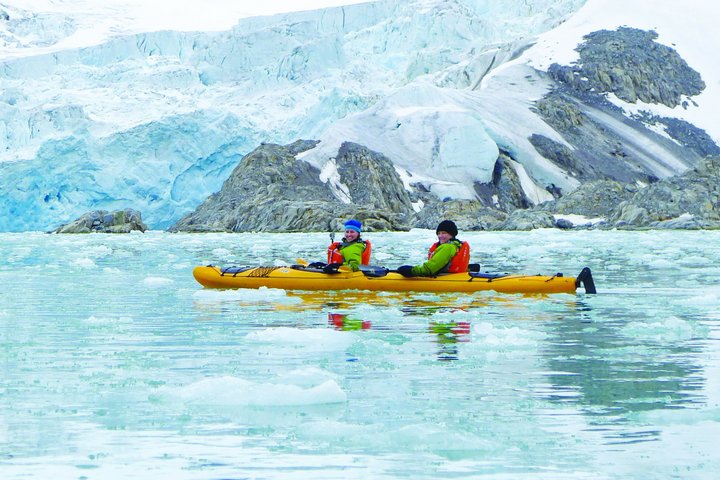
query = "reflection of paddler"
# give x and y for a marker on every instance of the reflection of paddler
(451, 330)
(343, 322)
(448, 335)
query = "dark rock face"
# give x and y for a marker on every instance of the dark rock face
(592, 199)
(688, 201)
(268, 189)
(467, 215)
(564, 157)
(692, 200)
(366, 175)
(618, 153)
(272, 191)
(527, 220)
(504, 192)
(685, 133)
(629, 63)
(605, 143)
(102, 221)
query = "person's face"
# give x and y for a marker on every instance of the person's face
(351, 235)
(443, 237)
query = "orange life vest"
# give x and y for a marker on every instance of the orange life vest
(334, 255)
(459, 262)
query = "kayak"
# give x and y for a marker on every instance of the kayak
(297, 277)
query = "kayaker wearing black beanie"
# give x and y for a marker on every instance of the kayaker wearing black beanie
(441, 254)
(447, 226)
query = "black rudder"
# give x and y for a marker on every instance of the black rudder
(585, 278)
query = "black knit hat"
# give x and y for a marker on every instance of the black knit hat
(447, 226)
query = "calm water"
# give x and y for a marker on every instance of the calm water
(116, 364)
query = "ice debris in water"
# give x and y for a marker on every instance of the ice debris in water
(312, 339)
(248, 295)
(85, 263)
(228, 390)
(670, 329)
(156, 281)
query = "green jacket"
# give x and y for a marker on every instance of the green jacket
(441, 258)
(352, 253)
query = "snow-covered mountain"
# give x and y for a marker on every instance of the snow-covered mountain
(156, 120)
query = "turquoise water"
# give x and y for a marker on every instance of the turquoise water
(116, 364)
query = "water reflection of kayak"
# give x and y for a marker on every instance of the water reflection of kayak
(379, 279)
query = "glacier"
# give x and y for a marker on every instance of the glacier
(157, 120)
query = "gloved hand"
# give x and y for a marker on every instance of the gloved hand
(331, 267)
(316, 265)
(405, 270)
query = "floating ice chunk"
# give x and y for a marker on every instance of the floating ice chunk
(306, 377)
(670, 329)
(316, 339)
(98, 251)
(229, 390)
(85, 263)
(107, 320)
(246, 295)
(157, 281)
(708, 296)
(221, 253)
(507, 338)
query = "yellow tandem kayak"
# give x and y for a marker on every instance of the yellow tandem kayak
(380, 279)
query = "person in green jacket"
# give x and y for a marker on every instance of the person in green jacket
(352, 246)
(442, 256)
(348, 252)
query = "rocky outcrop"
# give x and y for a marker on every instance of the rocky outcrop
(371, 180)
(629, 63)
(527, 220)
(467, 215)
(691, 200)
(272, 191)
(604, 142)
(504, 192)
(495, 200)
(688, 201)
(597, 198)
(102, 221)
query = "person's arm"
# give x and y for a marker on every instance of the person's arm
(352, 255)
(443, 255)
